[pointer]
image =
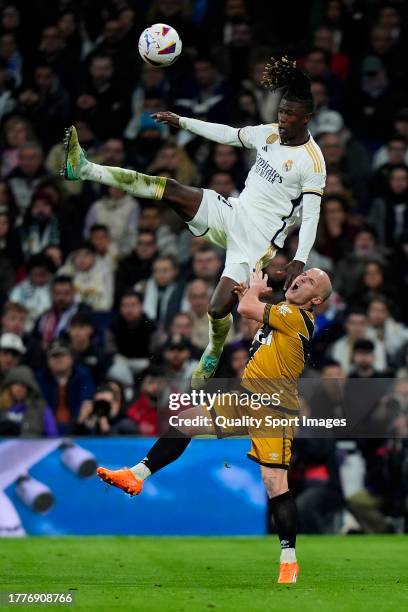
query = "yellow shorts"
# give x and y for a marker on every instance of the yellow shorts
(271, 431)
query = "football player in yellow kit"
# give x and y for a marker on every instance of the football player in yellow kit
(277, 359)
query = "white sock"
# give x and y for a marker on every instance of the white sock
(288, 555)
(135, 183)
(140, 471)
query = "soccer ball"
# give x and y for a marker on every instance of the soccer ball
(159, 45)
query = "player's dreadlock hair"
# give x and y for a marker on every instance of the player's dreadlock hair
(283, 74)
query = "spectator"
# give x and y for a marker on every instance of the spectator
(380, 498)
(136, 268)
(106, 251)
(46, 104)
(350, 268)
(92, 281)
(389, 214)
(206, 265)
(373, 103)
(10, 247)
(131, 334)
(326, 401)
(65, 384)
(372, 282)
(174, 160)
(163, 293)
(101, 101)
(356, 157)
(400, 128)
(384, 328)
(151, 219)
(120, 213)
(316, 481)
(27, 175)
(335, 155)
(34, 292)
(17, 131)
(198, 300)
(323, 38)
(12, 350)
(85, 346)
(11, 56)
(205, 97)
(101, 416)
(178, 365)
(55, 320)
(24, 411)
(152, 79)
(336, 232)
(363, 360)
(40, 227)
(142, 413)
(225, 159)
(223, 183)
(396, 151)
(356, 329)
(13, 319)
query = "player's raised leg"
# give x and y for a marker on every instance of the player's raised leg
(164, 451)
(185, 200)
(285, 516)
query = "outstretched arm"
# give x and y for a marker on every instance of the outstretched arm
(223, 134)
(307, 236)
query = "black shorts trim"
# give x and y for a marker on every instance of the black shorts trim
(196, 235)
(239, 138)
(280, 466)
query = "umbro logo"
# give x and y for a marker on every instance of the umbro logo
(283, 309)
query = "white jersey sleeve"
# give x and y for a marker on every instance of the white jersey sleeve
(313, 176)
(256, 136)
(313, 180)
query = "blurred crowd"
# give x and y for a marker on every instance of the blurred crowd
(104, 297)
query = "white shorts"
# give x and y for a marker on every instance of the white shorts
(227, 224)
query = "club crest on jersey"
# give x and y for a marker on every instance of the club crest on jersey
(272, 138)
(287, 165)
(284, 309)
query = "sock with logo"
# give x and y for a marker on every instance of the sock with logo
(284, 513)
(164, 451)
(135, 183)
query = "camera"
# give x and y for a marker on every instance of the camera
(101, 408)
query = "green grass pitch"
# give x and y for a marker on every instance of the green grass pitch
(201, 574)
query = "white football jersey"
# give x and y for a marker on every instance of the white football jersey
(281, 174)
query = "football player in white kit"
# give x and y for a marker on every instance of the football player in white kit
(286, 180)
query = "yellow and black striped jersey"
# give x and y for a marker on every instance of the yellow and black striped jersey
(279, 351)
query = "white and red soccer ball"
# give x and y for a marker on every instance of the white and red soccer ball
(159, 45)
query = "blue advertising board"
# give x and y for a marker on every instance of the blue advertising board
(213, 489)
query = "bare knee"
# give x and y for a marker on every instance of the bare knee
(275, 481)
(223, 299)
(218, 310)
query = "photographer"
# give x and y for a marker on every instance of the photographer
(102, 415)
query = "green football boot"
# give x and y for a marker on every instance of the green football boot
(204, 370)
(75, 159)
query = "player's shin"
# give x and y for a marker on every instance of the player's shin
(163, 452)
(218, 331)
(284, 513)
(135, 183)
